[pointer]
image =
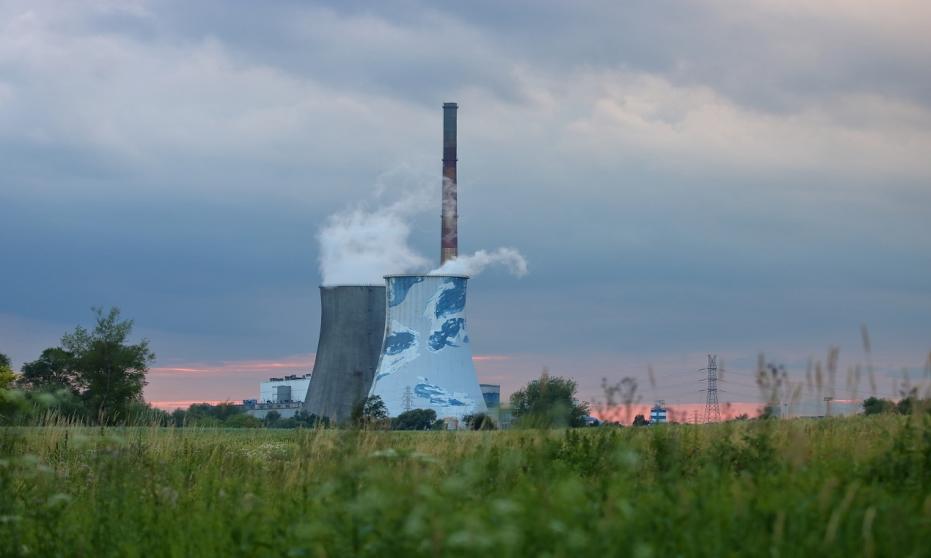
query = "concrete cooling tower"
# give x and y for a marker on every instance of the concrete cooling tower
(352, 326)
(426, 360)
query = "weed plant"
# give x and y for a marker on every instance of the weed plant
(834, 487)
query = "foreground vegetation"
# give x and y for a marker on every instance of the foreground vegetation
(836, 487)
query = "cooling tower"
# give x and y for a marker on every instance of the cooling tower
(426, 360)
(352, 326)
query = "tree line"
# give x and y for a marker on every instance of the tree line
(909, 404)
(94, 376)
(97, 376)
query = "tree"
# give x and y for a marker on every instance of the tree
(906, 405)
(415, 419)
(272, 418)
(369, 412)
(179, 417)
(769, 412)
(479, 421)
(640, 420)
(7, 376)
(310, 420)
(877, 406)
(548, 402)
(53, 370)
(242, 420)
(111, 371)
(140, 413)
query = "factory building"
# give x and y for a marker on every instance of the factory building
(492, 395)
(406, 341)
(426, 358)
(352, 326)
(289, 389)
(658, 413)
(283, 395)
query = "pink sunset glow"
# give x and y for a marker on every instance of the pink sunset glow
(681, 412)
(175, 386)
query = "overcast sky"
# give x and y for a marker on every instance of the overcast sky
(683, 177)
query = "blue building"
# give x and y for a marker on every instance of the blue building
(658, 413)
(492, 395)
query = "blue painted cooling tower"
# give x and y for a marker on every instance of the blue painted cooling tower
(426, 360)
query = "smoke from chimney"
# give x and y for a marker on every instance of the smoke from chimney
(475, 263)
(361, 245)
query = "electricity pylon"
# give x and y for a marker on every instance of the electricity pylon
(712, 409)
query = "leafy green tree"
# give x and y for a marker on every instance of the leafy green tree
(769, 412)
(243, 420)
(205, 414)
(272, 418)
(53, 370)
(877, 406)
(111, 371)
(640, 420)
(179, 417)
(479, 421)
(310, 420)
(415, 419)
(7, 376)
(548, 402)
(906, 405)
(140, 413)
(369, 412)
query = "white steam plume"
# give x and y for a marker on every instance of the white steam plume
(475, 263)
(360, 246)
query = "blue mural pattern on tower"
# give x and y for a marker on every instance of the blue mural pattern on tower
(426, 350)
(437, 395)
(400, 286)
(447, 335)
(451, 300)
(446, 313)
(400, 346)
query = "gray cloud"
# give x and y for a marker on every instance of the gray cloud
(657, 162)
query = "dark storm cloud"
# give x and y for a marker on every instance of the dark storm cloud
(755, 53)
(681, 176)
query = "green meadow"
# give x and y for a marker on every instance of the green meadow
(858, 486)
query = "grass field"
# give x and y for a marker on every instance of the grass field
(856, 486)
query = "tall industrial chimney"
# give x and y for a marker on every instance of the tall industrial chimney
(449, 233)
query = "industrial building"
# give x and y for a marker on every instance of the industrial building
(426, 360)
(492, 395)
(406, 341)
(289, 389)
(658, 413)
(283, 395)
(352, 326)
